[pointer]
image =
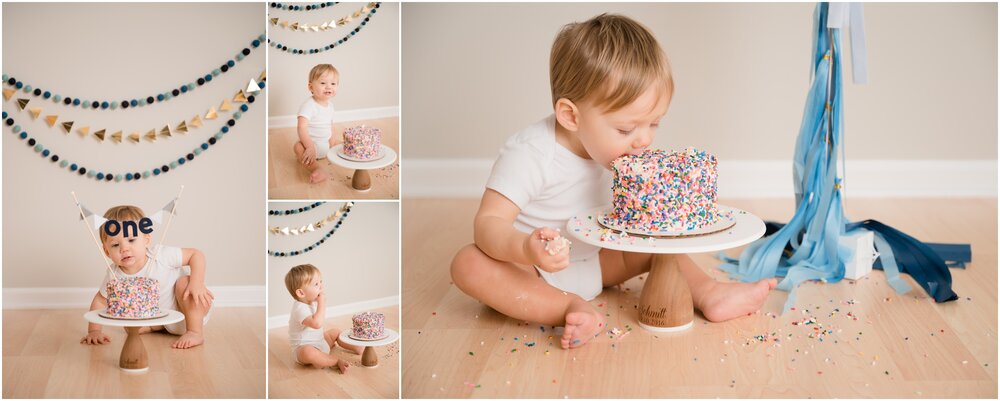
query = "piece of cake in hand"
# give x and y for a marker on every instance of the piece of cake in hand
(362, 142)
(133, 298)
(665, 191)
(368, 326)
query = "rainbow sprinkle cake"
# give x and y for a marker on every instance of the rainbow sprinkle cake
(369, 326)
(664, 191)
(134, 297)
(362, 142)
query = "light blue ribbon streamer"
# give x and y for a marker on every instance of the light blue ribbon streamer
(819, 217)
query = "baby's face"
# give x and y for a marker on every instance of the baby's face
(609, 135)
(128, 253)
(312, 289)
(325, 86)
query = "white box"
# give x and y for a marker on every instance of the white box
(858, 253)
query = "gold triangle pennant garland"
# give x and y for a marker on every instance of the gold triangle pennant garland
(325, 25)
(335, 220)
(184, 126)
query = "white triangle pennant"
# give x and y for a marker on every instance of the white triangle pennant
(253, 87)
(86, 212)
(157, 217)
(99, 221)
(169, 208)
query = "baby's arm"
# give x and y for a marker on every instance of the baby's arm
(196, 285)
(496, 236)
(316, 319)
(309, 153)
(94, 334)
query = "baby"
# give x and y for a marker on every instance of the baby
(315, 122)
(310, 344)
(178, 291)
(611, 86)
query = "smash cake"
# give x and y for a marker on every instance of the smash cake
(362, 142)
(133, 298)
(661, 191)
(368, 326)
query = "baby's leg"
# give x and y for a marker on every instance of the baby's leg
(332, 337)
(722, 301)
(316, 174)
(518, 292)
(618, 267)
(194, 316)
(313, 356)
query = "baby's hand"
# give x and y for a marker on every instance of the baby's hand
(343, 366)
(96, 337)
(200, 294)
(308, 155)
(537, 251)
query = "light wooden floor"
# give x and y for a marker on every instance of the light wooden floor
(899, 346)
(43, 358)
(288, 379)
(288, 180)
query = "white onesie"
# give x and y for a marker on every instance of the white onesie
(550, 184)
(166, 269)
(320, 122)
(299, 335)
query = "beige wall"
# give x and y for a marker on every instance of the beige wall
(476, 73)
(368, 62)
(360, 262)
(114, 51)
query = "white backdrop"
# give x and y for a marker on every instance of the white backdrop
(115, 51)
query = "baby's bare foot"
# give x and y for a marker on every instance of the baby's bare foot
(725, 301)
(317, 176)
(188, 340)
(582, 324)
(343, 366)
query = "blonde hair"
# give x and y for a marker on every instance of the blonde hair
(298, 277)
(610, 59)
(121, 213)
(321, 69)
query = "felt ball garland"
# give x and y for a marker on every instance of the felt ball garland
(303, 7)
(139, 101)
(293, 211)
(325, 26)
(135, 175)
(292, 50)
(345, 210)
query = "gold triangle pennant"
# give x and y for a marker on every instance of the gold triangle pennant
(263, 75)
(35, 112)
(226, 105)
(211, 115)
(284, 24)
(357, 14)
(182, 127)
(99, 135)
(196, 121)
(134, 137)
(151, 135)
(240, 97)
(51, 120)
(165, 131)
(68, 126)
(274, 21)
(7, 93)
(21, 103)
(84, 131)
(295, 26)
(117, 137)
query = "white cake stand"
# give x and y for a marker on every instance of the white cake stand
(362, 181)
(368, 358)
(133, 357)
(665, 303)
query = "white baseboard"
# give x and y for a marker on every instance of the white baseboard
(466, 178)
(338, 116)
(67, 298)
(340, 310)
